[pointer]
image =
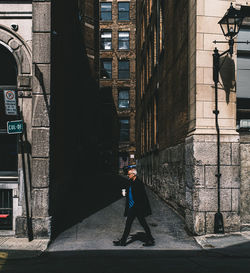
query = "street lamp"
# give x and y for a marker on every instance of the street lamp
(231, 22)
(230, 25)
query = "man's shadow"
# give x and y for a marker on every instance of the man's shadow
(139, 236)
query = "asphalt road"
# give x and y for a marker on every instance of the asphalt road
(130, 261)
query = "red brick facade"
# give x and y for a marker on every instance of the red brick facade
(115, 26)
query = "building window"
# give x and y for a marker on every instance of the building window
(123, 98)
(123, 40)
(106, 39)
(243, 75)
(124, 129)
(106, 69)
(123, 69)
(123, 11)
(106, 13)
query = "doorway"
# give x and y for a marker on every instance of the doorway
(8, 142)
(6, 207)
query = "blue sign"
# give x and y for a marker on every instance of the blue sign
(15, 127)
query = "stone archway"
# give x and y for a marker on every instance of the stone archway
(22, 54)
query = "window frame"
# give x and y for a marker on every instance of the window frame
(125, 41)
(120, 90)
(123, 70)
(103, 40)
(127, 139)
(123, 12)
(102, 69)
(106, 12)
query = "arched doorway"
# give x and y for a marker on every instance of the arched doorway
(8, 142)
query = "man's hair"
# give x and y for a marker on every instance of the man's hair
(133, 171)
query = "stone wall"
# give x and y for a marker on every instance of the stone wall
(184, 176)
(40, 120)
(245, 180)
(164, 173)
(201, 183)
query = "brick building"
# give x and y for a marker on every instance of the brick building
(48, 62)
(175, 124)
(117, 68)
(89, 19)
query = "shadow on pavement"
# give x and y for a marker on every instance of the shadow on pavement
(235, 259)
(89, 197)
(138, 236)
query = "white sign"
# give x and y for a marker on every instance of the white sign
(10, 102)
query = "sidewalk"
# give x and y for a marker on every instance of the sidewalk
(98, 231)
(235, 244)
(21, 248)
(228, 243)
(168, 228)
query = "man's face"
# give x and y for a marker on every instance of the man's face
(130, 175)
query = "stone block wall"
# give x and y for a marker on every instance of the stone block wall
(164, 173)
(184, 176)
(40, 120)
(201, 183)
(245, 180)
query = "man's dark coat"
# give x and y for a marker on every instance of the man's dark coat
(139, 194)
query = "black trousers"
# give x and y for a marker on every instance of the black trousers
(132, 214)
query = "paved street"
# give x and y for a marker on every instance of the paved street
(87, 247)
(135, 261)
(99, 229)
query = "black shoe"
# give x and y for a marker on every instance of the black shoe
(151, 238)
(149, 243)
(119, 243)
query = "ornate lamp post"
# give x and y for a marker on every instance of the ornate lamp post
(230, 25)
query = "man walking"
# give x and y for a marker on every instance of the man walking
(137, 205)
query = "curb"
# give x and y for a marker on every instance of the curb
(211, 241)
(12, 248)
